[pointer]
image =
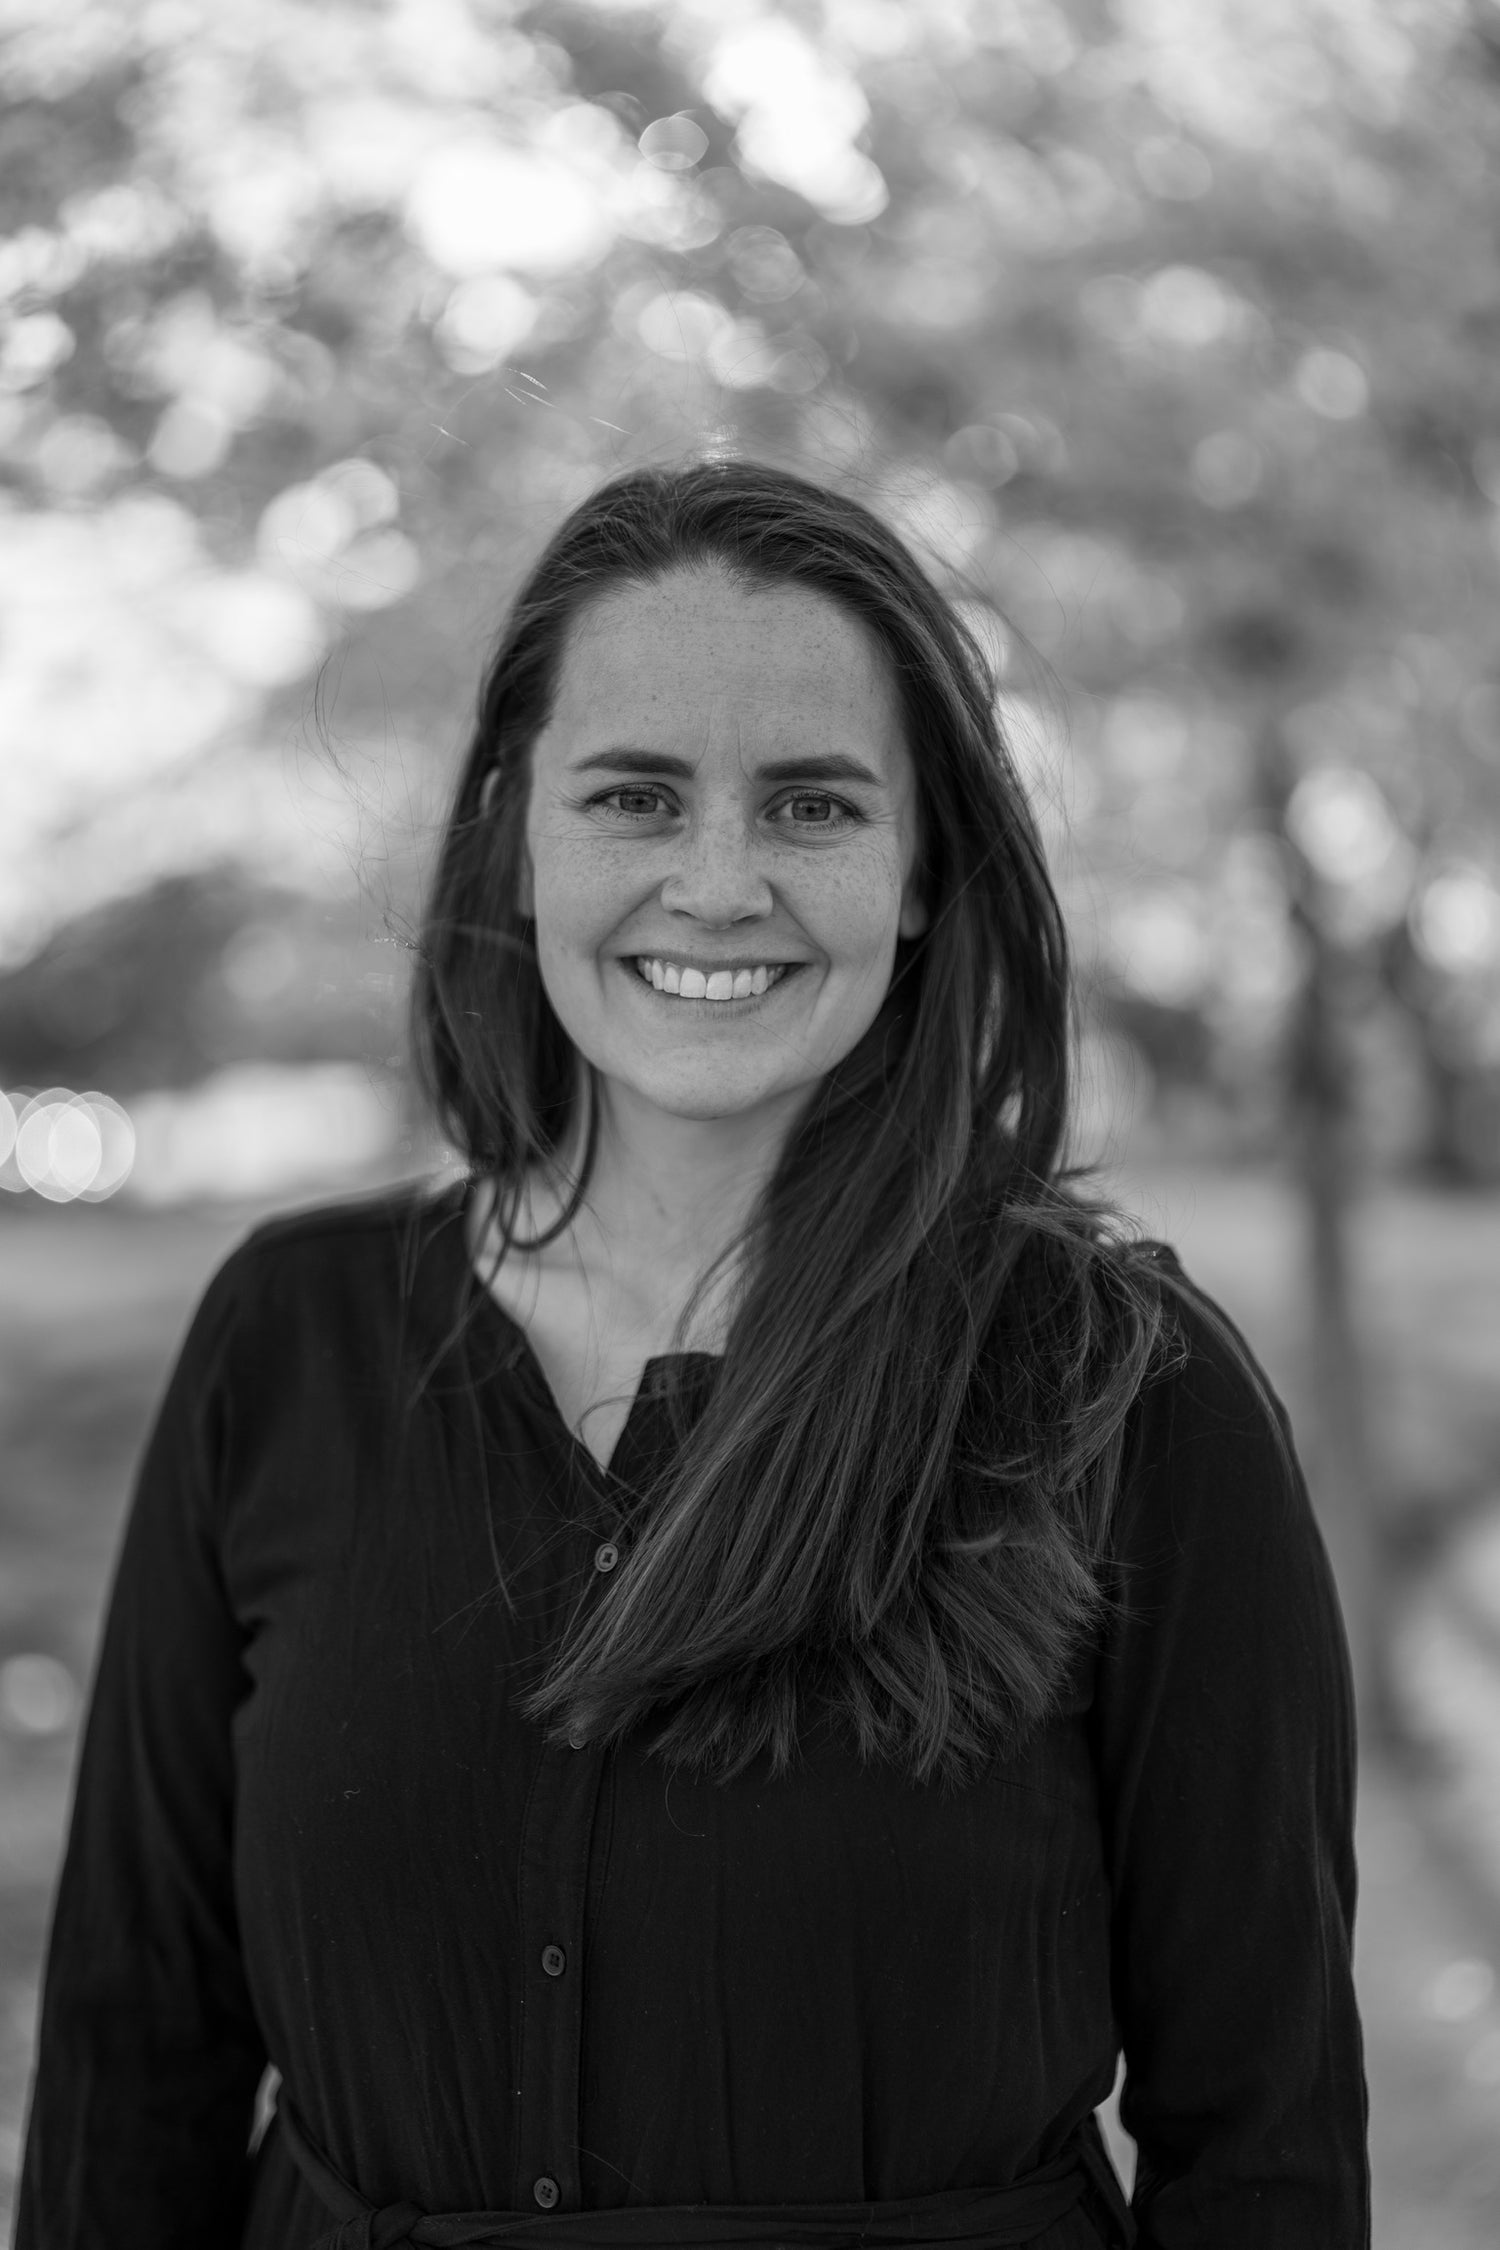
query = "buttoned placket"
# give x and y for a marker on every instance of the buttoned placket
(556, 1845)
(556, 1836)
(556, 1840)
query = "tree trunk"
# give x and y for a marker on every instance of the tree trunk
(1326, 1163)
(1342, 1470)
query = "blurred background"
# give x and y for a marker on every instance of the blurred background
(1172, 327)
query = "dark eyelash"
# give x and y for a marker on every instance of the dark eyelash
(640, 788)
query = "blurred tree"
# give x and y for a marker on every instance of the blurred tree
(160, 987)
(1172, 328)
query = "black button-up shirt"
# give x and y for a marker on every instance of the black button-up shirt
(311, 1828)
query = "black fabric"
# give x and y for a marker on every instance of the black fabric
(311, 1828)
(967, 2216)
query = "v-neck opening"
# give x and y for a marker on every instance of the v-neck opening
(523, 1353)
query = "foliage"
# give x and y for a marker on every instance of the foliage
(1171, 325)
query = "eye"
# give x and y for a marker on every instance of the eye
(633, 800)
(641, 801)
(811, 808)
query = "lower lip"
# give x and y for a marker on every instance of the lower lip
(730, 1010)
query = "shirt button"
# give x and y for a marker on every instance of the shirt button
(554, 1960)
(607, 1556)
(546, 2191)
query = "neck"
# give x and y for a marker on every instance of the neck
(668, 1194)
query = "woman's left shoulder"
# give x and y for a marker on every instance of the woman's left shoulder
(1205, 1373)
(1210, 1455)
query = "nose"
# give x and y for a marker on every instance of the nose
(716, 878)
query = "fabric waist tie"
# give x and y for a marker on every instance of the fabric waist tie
(982, 2218)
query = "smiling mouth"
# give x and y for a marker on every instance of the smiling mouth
(679, 981)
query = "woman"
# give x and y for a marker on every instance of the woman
(700, 1686)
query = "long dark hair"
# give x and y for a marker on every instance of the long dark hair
(894, 1506)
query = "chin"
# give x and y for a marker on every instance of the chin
(704, 1104)
(707, 1109)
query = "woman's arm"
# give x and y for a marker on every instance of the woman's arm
(1225, 1738)
(148, 2052)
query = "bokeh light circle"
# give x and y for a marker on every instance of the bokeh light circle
(75, 1149)
(38, 1695)
(117, 1136)
(34, 1143)
(66, 1147)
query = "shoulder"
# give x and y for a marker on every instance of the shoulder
(1206, 1384)
(1220, 1581)
(356, 1262)
(1210, 1466)
(354, 1236)
(302, 1328)
(1085, 1296)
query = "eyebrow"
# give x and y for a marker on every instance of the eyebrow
(830, 766)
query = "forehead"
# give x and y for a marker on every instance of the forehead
(696, 649)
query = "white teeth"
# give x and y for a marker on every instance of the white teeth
(717, 984)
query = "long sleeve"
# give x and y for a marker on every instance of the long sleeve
(149, 2053)
(1225, 1740)
(831, 1987)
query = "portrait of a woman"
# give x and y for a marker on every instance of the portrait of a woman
(704, 1683)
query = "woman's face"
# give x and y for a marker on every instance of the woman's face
(721, 803)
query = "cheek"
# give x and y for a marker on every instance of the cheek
(854, 904)
(575, 892)
(565, 910)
